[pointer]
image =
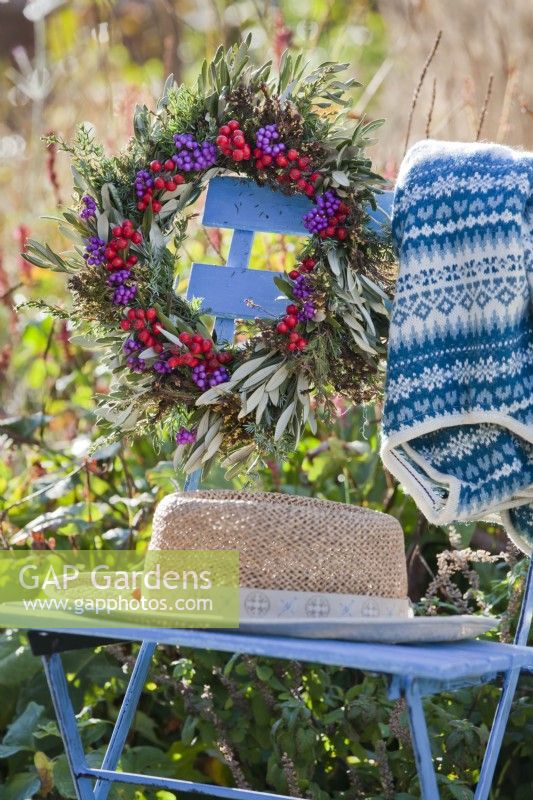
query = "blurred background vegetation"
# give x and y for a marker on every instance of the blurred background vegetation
(202, 716)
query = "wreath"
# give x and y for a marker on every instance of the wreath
(171, 376)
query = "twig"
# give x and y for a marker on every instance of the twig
(419, 87)
(510, 90)
(431, 108)
(483, 114)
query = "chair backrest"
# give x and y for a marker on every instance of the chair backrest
(247, 208)
(240, 204)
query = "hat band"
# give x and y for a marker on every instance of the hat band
(282, 604)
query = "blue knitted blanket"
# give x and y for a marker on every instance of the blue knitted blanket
(458, 415)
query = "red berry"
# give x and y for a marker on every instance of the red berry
(155, 166)
(122, 243)
(292, 155)
(303, 162)
(281, 161)
(195, 348)
(169, 165)
(185, 337)
(157, 327)
(290, 321)
(294, 337)
(267, 160)
(125, 324)
(294, 174)
(330, 231)
(136, 237)
(314, 177)
(151, 314)
(147, 196)
(238, 141)
(302, 344)
(117, 263)
(257, 152)
(292, 309)
(291, 346)
(141, 206)
(259, 163)
(310, 263)
(302, 185)
(293, 274)
(156, 206)
(116, 231)
(222, 141)
(309, 191)
(206, 346)
(171, 186)
(233, 125)
(179, 179)
(143, 336)
(158, 348)
(132, 314)
(110, 253)
(237, 155)
(225, 130)
(342, 233)
(194, 362)
(197, 339)
(159, 183)
(281, 327)
(131, 260)
(173, 362)
(139, 313)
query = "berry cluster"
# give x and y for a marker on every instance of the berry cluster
(160, 177)
(207, 366)
(192, 156)
(326, 217)
(297, 169)
(118, 261)
(184, 436)
(232, 143)
(146, 329)
(88, 209)
(94, 253)
(286, 326)
(265, 140)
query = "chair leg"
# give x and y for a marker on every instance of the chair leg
(421, 744)
(497, 732)
(66, 721)
(125, 716)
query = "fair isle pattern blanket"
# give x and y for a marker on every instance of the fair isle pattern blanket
(458, 415)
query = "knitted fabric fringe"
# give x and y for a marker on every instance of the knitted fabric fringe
(458, 416)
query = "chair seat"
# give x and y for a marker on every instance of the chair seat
(446, 661)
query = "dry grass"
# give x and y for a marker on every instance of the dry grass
(479, 40)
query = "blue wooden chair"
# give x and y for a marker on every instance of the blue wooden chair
(413, 671)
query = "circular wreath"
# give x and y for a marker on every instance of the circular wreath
(170, 374)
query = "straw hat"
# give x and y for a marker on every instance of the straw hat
(299, 557)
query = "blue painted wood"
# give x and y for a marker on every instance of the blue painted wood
(240, 248)
(225, 291)
(174, 784)
(468, 659)
(125, 716)
(66, 722)
(242, 203)
(421, 743)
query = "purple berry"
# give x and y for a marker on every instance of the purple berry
(184, 436)
(94, 253)
(89, 207)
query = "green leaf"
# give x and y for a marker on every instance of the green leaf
(23, 786)
(19, 734)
